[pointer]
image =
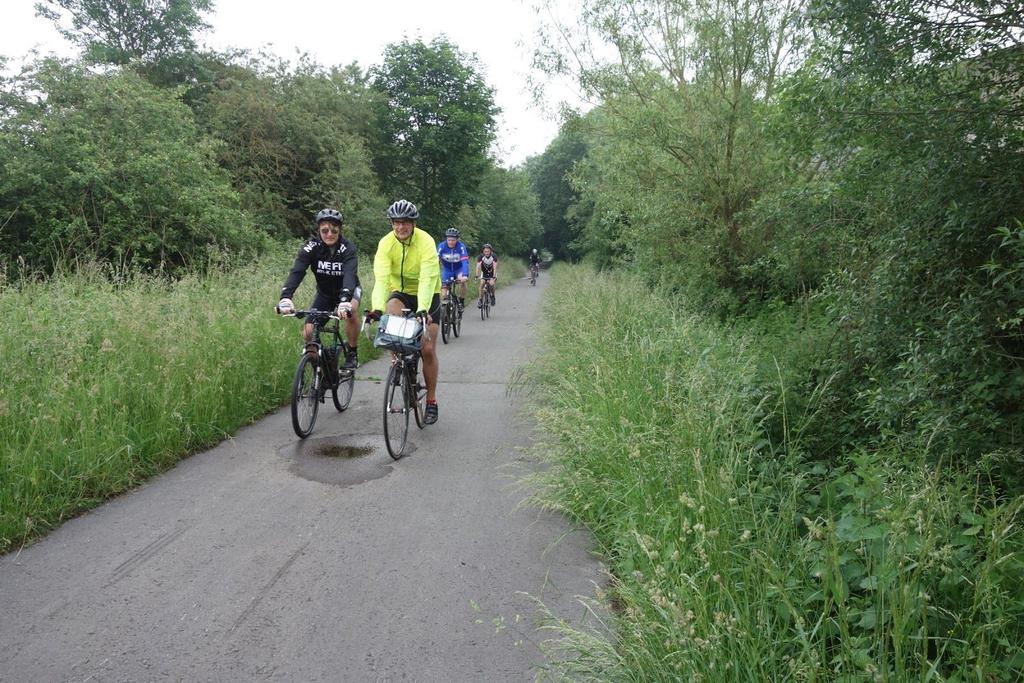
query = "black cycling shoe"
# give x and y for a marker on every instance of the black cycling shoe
(351, 360)
(430, 416)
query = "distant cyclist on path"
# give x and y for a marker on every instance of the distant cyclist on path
(535, 262)
(487, 271)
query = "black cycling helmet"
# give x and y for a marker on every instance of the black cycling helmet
(403, 208)
(329, 214)
(487, 246)
(452, 232)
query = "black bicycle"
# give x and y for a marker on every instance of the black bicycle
(486, 300)
(451, 312)
(404, 392)
(534, 272)
(319, 370)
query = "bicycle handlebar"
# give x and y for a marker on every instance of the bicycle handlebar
(313, 312)
(310, 313)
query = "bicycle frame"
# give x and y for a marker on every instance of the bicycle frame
(321, 321)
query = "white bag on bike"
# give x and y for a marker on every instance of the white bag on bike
(400, 334)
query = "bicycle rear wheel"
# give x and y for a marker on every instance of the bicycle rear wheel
(396, 411)
(342, 393)
(305, 396)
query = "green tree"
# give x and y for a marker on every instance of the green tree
(678, 152)
(126, 31)
(550, 180)
(436, 122)
(106, 166)
(505, 214)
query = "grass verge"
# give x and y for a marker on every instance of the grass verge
(112, 378)
(736, 555)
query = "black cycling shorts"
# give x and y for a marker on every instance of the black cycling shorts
(410, 301)
(323, 301)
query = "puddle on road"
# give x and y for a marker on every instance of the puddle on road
(342, 460)
(338, 451)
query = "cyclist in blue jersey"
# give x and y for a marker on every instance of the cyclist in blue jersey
(454, 258)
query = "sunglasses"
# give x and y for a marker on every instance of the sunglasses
(333, 231)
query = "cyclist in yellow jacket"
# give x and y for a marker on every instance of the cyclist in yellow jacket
(408, 275)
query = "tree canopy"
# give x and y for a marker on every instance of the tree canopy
(122, 31)
(435, 122)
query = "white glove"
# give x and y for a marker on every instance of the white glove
(285, 306)
(344, 309)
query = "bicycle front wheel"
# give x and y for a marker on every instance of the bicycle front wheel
(457, 322)
(305, 396)
(446, 320)
(396, 411)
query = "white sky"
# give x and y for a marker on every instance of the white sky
(500, 32)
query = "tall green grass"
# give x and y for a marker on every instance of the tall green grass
(112, 377)
(736, 555)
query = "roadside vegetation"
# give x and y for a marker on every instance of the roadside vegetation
(111, 377)
(738, 551)
(800, 438)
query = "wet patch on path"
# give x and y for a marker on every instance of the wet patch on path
(342, 460)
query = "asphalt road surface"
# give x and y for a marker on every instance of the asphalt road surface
(271, 558)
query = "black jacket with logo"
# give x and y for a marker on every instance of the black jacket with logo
(335, 268)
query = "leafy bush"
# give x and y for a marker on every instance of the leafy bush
(294, 142)
(105, 166)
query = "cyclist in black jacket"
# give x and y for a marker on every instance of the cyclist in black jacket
(334, 263)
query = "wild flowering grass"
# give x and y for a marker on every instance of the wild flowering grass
(110, 378)
(738, 557)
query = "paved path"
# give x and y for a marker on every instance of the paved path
(267, 558)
